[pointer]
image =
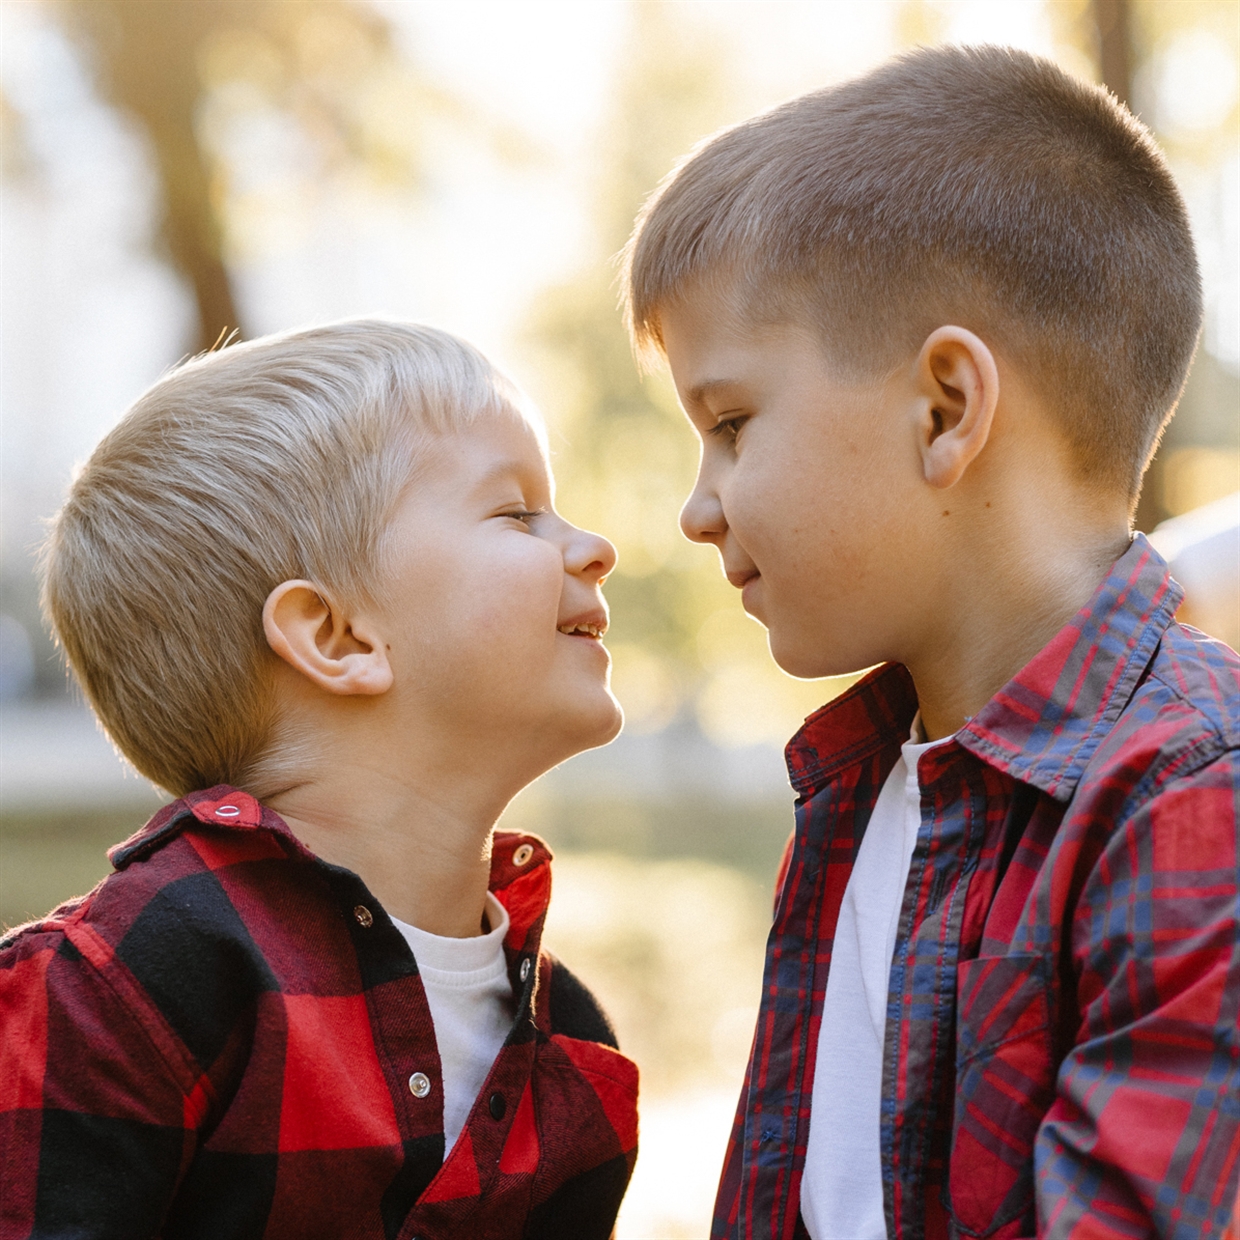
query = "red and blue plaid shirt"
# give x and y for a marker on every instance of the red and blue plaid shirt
(1062, 1055)
(228, 1037)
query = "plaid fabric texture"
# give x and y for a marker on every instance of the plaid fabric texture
(1062, 1053)
(228, 1037)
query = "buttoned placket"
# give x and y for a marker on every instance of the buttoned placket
(368, 921)
(373, 935)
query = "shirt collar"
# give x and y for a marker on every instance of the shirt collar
(520, 863)
(1044, 725)
(876, 713)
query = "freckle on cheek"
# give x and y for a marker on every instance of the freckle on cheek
(946, 512)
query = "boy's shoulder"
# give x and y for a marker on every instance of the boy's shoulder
(1202, 675)
(1181, 724)
(170, 949)
(179, 874)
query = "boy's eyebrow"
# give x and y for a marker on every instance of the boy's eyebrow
(504, 468)
(699, 391)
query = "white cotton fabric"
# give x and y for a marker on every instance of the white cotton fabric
(842, 1187)
(471, 1004)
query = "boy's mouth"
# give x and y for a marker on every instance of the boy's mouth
(585, 629)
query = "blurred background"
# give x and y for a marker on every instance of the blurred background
(174, 170)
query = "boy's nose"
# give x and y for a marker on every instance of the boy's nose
(589, 555)
(701, 518)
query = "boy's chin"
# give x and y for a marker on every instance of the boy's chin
(807, 660)
(594, 727)
(608, 724)
(794, 658)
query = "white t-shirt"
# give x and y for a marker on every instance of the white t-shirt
(842, 1187)
(471, 1004)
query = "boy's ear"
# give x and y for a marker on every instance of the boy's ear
(333, 650)
(958, 388)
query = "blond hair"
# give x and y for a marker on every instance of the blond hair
(277, 459)
(979, 186)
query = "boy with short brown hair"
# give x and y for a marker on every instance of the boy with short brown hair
(316, 587)
(929, 325)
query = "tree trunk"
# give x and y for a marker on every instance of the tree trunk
(190, 227)
(1112, 20)
(146, 52)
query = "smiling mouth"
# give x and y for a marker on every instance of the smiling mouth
(593, 631)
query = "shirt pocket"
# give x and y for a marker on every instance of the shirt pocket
(1005, 1080)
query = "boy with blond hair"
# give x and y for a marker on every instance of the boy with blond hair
(929, 326)
(315, 586)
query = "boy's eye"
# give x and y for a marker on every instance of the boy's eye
(522, 515)
(728, 428)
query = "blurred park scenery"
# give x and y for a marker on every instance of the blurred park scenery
(175, 170)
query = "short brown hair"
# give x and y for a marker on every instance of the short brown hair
(979, 186)
(272, 460)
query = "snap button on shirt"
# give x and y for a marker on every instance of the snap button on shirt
(469, 993)
(364, 917)
(419, 1084)
(525, 969)
(498, 1106)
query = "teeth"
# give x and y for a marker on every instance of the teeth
(594, 630)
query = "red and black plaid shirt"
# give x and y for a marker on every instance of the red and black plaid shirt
(1062, 1052)
(228, 1037)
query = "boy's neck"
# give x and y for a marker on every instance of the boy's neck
(392, 788)
(421, 843)
(1002, 604)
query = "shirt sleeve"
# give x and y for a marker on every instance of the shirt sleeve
(1144, 1134)
(97, 1107)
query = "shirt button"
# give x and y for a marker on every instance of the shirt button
(363, 916)
(525, 969)
(419, 1084)
(522, 855)
(498, 1106)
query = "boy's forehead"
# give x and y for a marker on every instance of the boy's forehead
(517, 421)
(707, 307)
(712, 347)
(524, 415)
(702, 344)
(496, 443)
